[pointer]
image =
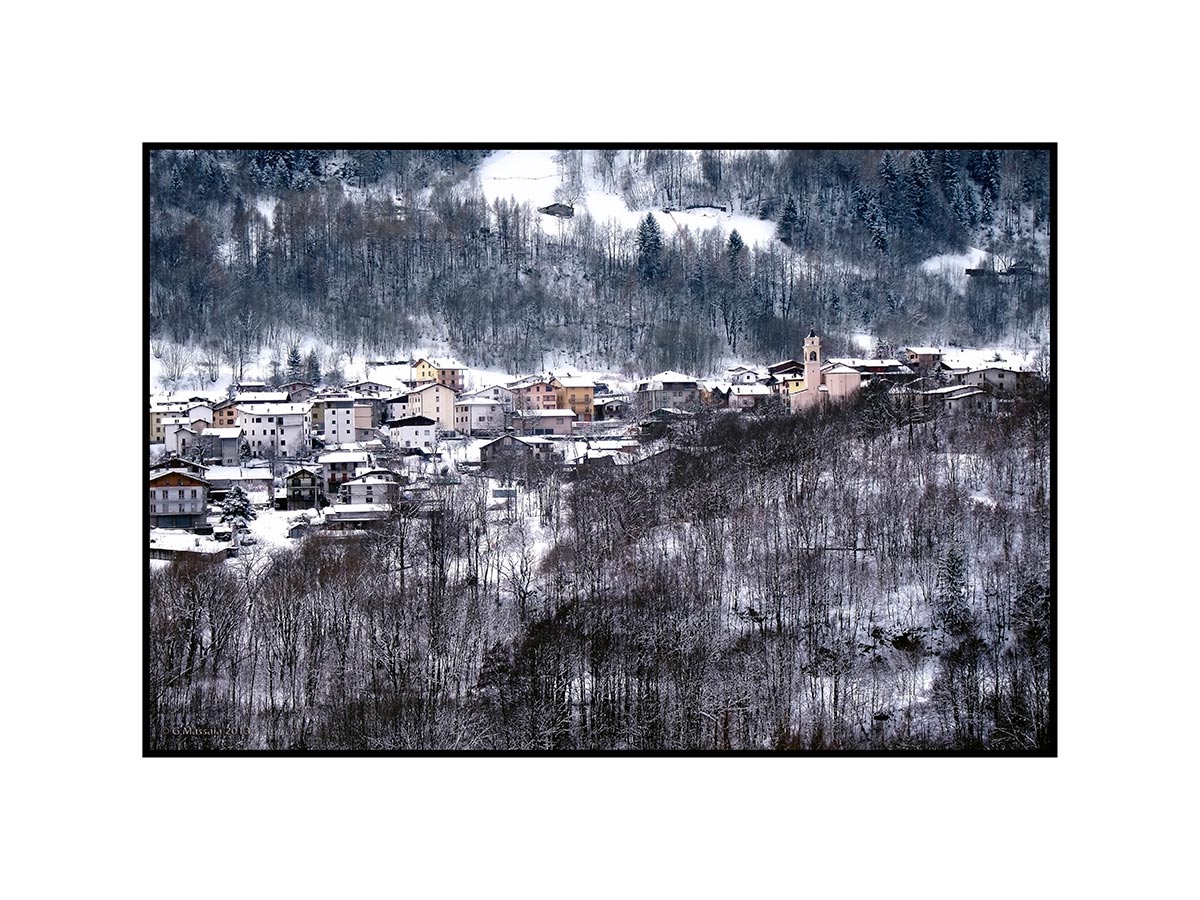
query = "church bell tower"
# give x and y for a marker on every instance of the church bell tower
(812, 362)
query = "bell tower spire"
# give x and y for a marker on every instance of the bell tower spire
(812, 362)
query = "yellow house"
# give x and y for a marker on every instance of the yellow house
(429, 371)
(157, 413)
(576, 394)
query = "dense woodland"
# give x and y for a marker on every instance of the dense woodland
(843, 579)
(380, 251)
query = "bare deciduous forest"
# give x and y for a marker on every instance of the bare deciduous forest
(843, 579)
(375, 250)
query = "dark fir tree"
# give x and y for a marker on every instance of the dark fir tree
(650, 248)
(295, 367)
(312, 367)
(789, 223)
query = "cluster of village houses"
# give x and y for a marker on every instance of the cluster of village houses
(346, 450)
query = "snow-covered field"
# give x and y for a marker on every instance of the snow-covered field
(532, 176)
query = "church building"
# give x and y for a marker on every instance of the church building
(821, 385)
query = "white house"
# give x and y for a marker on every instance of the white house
(497, 393)
(283, 429)
(997, 377)
(747, 396)
(375, 487)
(474, 416)
(742, 375)
(413, 432)
(336, 419)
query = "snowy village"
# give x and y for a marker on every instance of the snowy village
(271, 461)
(641, 450)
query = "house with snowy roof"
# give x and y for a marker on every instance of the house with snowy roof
(742, 375)
(178, 499)
(511, 449)
(431, 370)
(534, 392)
(544, 421)
(748, 396)
(339, 466)
(303, 487)
(375, 486)
(496, 392)
(374, 388)
(412, 432)
(924, 359)
(1001, 377)
(610, 407)
(666, 389)
(279, 429)
(478, 415)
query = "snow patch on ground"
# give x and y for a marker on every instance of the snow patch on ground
(531, 176)
(973, 258)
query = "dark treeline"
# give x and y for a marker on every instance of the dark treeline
(376, 251)
(841, 580)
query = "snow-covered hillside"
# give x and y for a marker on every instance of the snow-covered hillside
(533, 176)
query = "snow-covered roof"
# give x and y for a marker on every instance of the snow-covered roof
(343, 456)
(950, 389)
(352, 510)
(280, 409)
(857, 363)
(429, 386)
(608, 401)
(179, 540)
(527, 381)
(841, 370)
(257, 397)
(545, 413)
(374, 478)
(162, 473)
(440, 362)
(238, 473)
(576, 381)
(995, 366)
(657, 382)
(224, 433)
(925, 351)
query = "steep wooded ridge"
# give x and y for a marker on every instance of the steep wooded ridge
(378, 251)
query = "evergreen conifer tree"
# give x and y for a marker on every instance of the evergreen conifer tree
(649, 245)
(789, 222)
(237, 509)
(312, 368)
(295, 368)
